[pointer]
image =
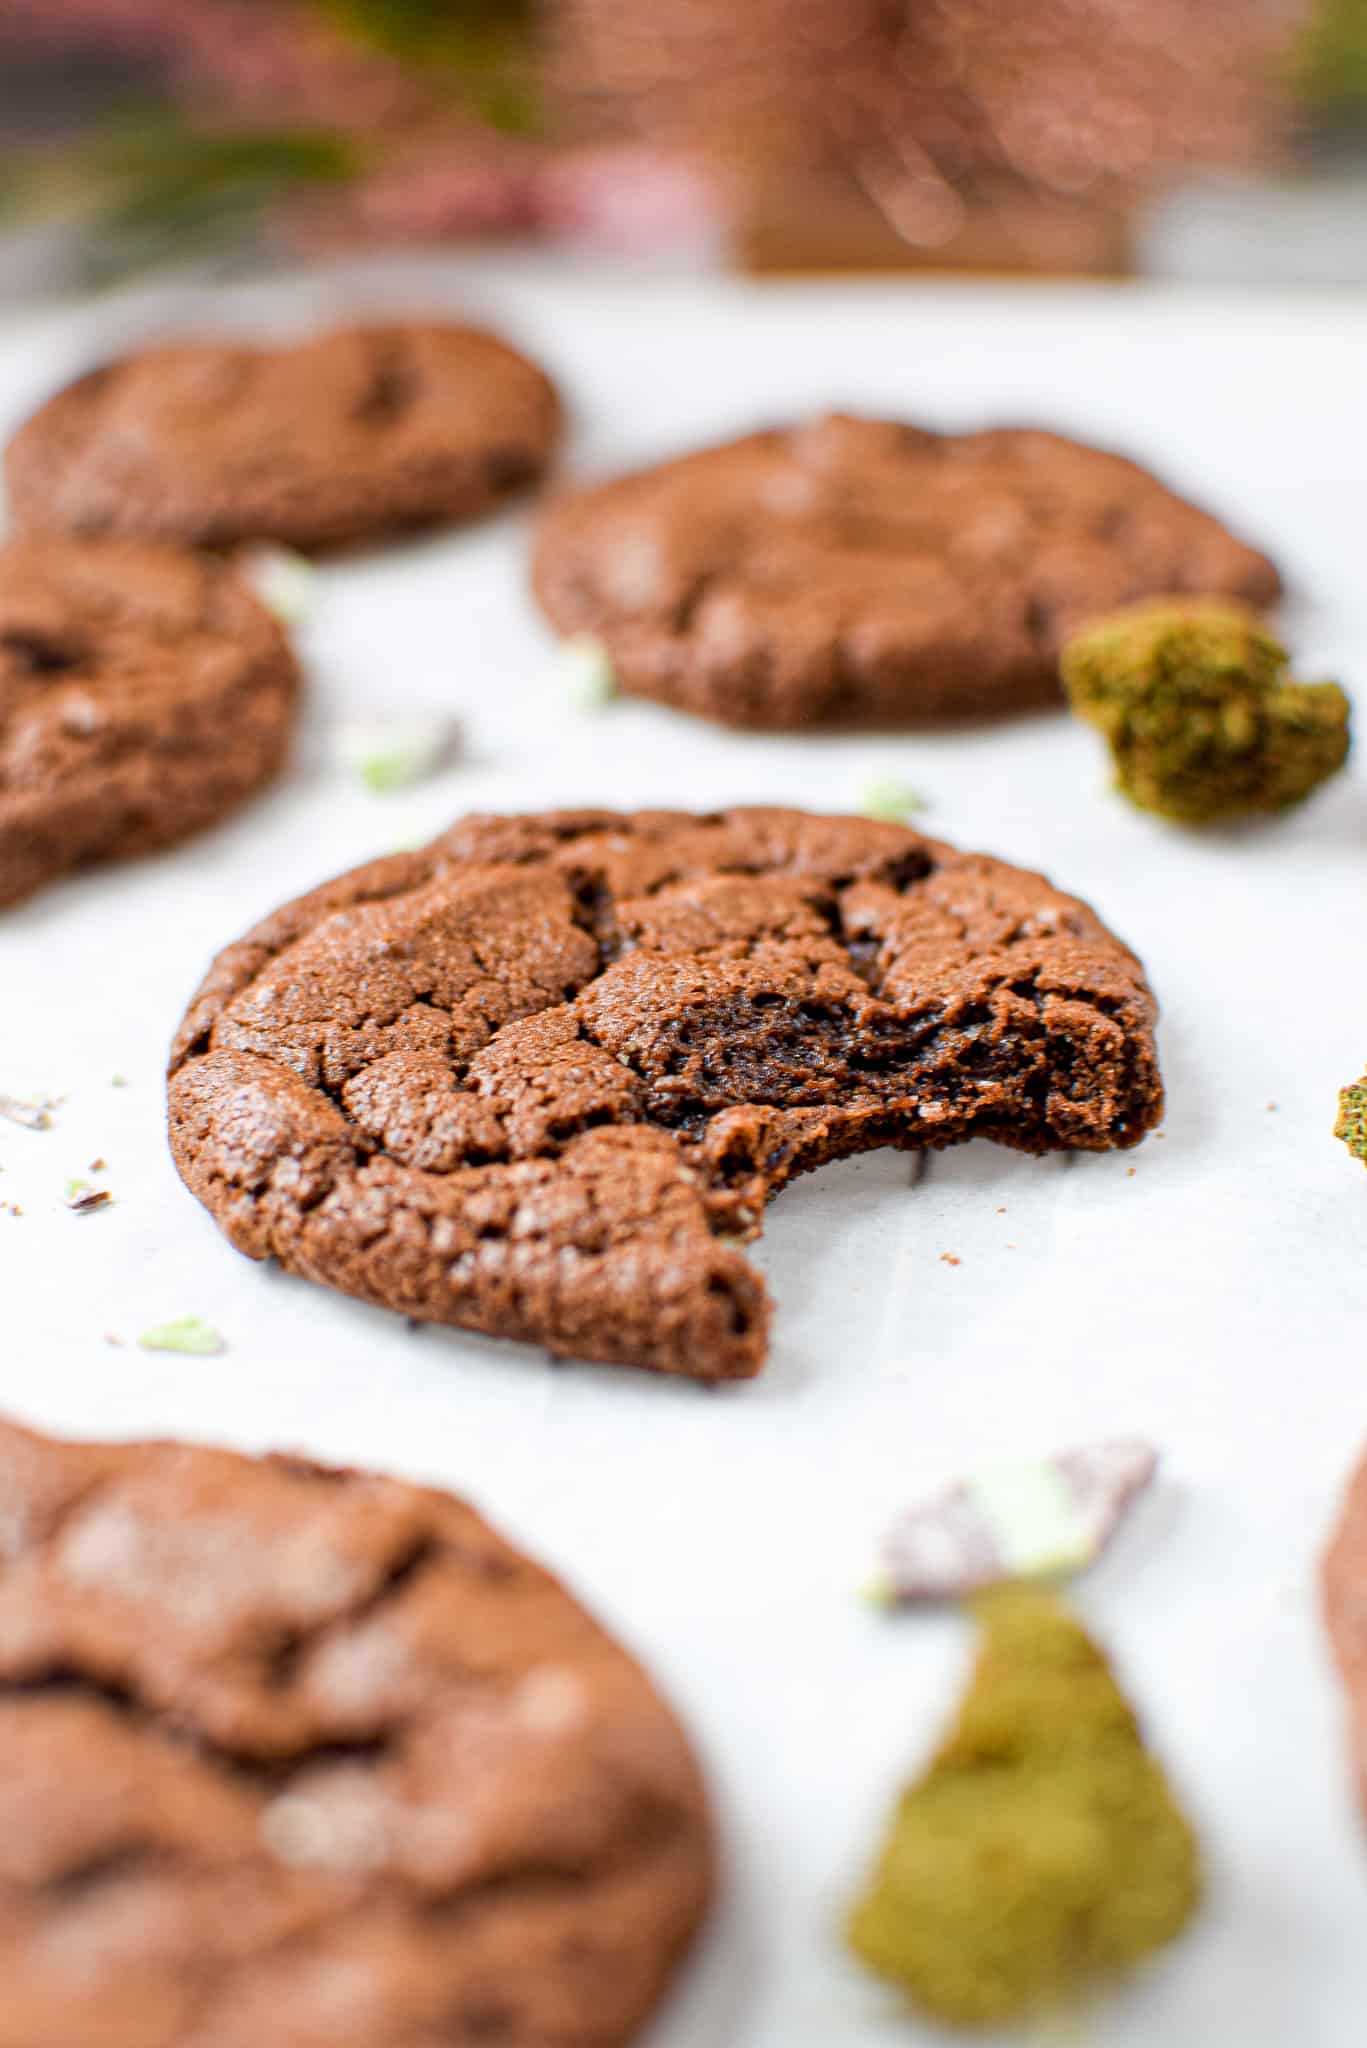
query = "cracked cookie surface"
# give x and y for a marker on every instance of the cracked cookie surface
(534, 1079)
(351, 436)
(313, 1756)
(144, 694)
(864, 572)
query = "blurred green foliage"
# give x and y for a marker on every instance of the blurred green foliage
(1333, 68)
(153, 186)
(433, 31)
(484, 42)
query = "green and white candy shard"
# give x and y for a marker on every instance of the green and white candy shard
(186, 1333)
(286, 583)
(400, 751)
(1039, 1519)
(590, 679)
(890, 800)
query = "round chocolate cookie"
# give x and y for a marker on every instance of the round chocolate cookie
(349, 437)
(144, 693)
(312, 1757)
(1345, 1612)
(860, 572)
(533, 1079)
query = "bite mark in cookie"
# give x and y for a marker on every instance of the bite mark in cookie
(864, 572)
(532, 1079)
(295, 1754)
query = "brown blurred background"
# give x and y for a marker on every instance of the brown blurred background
(1215, 138)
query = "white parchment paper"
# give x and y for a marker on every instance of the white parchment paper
(1208, 1291)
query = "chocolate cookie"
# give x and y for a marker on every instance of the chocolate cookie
(533, 1079)
(1345, 1612)
(348, 437)
(310, 1757)
(144, 693)
(861, 572)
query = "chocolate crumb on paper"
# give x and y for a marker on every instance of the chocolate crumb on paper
(1031, 1520)
(80, 1197)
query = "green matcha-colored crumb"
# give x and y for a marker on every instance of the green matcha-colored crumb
(1202, 716)
(1041, 1849)
(1351, 1123)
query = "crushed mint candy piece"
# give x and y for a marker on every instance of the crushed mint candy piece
(187, 1333)
(890, 800)
(590, 679)
(400, 752)
(1031, 1520)
(285, 582)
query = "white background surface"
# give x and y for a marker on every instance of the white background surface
(1213, 1299)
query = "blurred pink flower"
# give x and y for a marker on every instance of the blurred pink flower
(624, 198)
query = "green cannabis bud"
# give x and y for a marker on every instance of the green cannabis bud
(1351, 1123)
(1042, 1849)
(1202, 716)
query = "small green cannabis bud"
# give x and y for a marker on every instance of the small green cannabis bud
(1351, 1122)
(1203, 718)
(1042, 1848)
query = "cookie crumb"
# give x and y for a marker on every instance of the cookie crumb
(80, 1197)
(950, 1259)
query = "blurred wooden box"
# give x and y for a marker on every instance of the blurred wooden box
(810, 221)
